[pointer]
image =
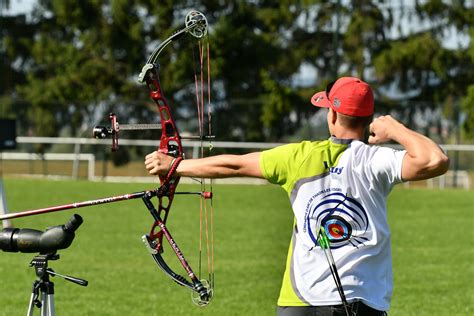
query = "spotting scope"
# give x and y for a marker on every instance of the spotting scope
(28, 240)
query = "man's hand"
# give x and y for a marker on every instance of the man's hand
(424, 158)
(383, 128)
(158, 163)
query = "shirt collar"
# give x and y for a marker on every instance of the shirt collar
(341, 141)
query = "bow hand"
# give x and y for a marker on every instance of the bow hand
(158, 163)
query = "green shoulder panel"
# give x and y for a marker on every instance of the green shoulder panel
(287, 164)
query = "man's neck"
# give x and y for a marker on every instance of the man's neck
(348, 134)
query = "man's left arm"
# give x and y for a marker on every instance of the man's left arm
(220, 166)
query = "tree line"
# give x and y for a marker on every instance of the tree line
(67, 64)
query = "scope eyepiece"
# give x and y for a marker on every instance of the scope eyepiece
(73, 223)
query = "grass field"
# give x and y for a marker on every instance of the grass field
(432, 249)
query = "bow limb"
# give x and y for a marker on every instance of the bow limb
(195, 24)
(153, 242)
(201, 287)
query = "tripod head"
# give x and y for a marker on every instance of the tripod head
(40, 263)
(42, 294)
(28, 240)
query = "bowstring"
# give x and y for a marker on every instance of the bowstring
(206, 217)
(203, 208)
(198, 107)
(196, 82)
(207, 213)
(209, 116)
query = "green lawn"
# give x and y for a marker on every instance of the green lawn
(432, 248)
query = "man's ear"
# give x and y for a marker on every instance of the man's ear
(333, 116)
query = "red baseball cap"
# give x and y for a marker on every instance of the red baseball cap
(348, 95)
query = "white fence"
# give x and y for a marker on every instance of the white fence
(458, 178)
(75, 158)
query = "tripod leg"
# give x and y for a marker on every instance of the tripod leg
(47, 299)
(44, 303)
(34, 297)
(51, 304)
(31, 307)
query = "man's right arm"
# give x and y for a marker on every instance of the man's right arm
(424, 159)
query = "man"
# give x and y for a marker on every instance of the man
(338, 190)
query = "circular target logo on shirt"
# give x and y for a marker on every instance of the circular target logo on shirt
(337, 228)
(344, 219)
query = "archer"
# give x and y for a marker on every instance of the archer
(339, 262)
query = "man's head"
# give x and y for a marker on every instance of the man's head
(351, 104)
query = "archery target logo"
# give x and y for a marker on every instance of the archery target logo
(344, 219)
(337, 228)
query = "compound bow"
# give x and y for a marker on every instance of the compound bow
(170, 144)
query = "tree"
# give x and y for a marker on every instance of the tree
(427, 74)
(74, 61)
(14, 54)
(467, 104)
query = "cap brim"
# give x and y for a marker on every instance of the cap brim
(320, 99)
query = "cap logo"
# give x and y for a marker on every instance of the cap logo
(336, 103)
(319, 99)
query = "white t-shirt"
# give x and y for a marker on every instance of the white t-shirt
(341, 185)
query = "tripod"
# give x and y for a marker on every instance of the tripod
(42, 295)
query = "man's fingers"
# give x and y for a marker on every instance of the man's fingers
(152, 167)
(151, 155)
(371, 129)
(153, 171)
(152, 162)
(157, 163)
(149, 166)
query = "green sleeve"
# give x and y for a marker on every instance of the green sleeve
(287, 164)
(280, 165)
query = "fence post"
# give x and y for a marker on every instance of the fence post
(75, 163)
(91, 169)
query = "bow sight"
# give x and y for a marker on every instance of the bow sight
(101, 132)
